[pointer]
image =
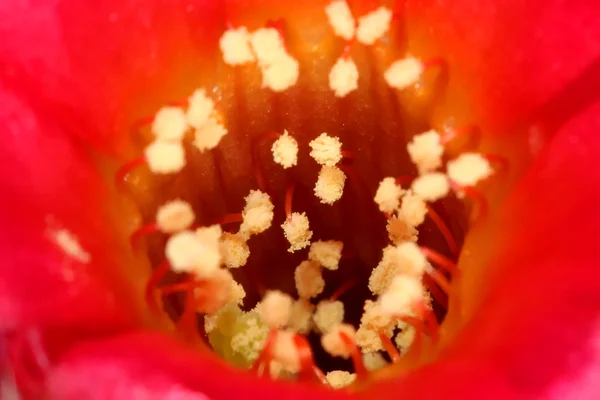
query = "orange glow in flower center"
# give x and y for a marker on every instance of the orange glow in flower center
(304, 216)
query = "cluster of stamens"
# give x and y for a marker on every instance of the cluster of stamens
(271, 338)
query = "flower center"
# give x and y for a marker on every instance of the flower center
(302, 214)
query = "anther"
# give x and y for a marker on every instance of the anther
(340, 18)
(327, 253)
(372, 26)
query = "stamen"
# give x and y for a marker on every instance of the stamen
(389, 347)
(329, 187)
(471, 132)
(478, 198)
(341, 19)
(124, 170)
(267, 352)
(143, 231)
(404, 73)
(443, 228)
(327, 253)
(440, 260)
(359, 366)
(502, 162)
(372, 26)
(289, 195)
(308, 368)
(343, 289)
(279, 25)
(191, 284)
(440, 297)
(439, 279)
(157, 275)
(343, 77)
(227, 219)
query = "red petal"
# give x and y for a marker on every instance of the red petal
(49, 184)
(110, 61)
(153, 366)
(538, 332)
(512, 56)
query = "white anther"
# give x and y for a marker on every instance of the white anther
(216, 292)
(340, 379)
(327, 253)
(404, 72)
(335, 344)
(257, 214)
(308, 278)
(256, 198)
(285, 351)
(328, 315)
(249, 339)
(373, 322)
(235, 46)
(399, 230)
(175, 216)
(285, 150)
(237, 294)
(373, 25)
(281, 74)
(343, 77)
(169, 123)
(432, 186)
(411, 259)
(200, 108)
(184, 251)
(267, 45)
(388, 195)
(326, 150)
(401, 297)
(413, 209)
(340, 18)
(209, 135)
(405, 338)
(164, 157)
(297, 231)
(275, 309)
(425, 151)
(468, 169)
(235, 250)
(382, 274)
(374, 361)
(329, 187)
(300, 318)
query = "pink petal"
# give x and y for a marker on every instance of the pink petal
(153, 366)
(511, 56)
(109, 61)
(538, 332)
(49, 185)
